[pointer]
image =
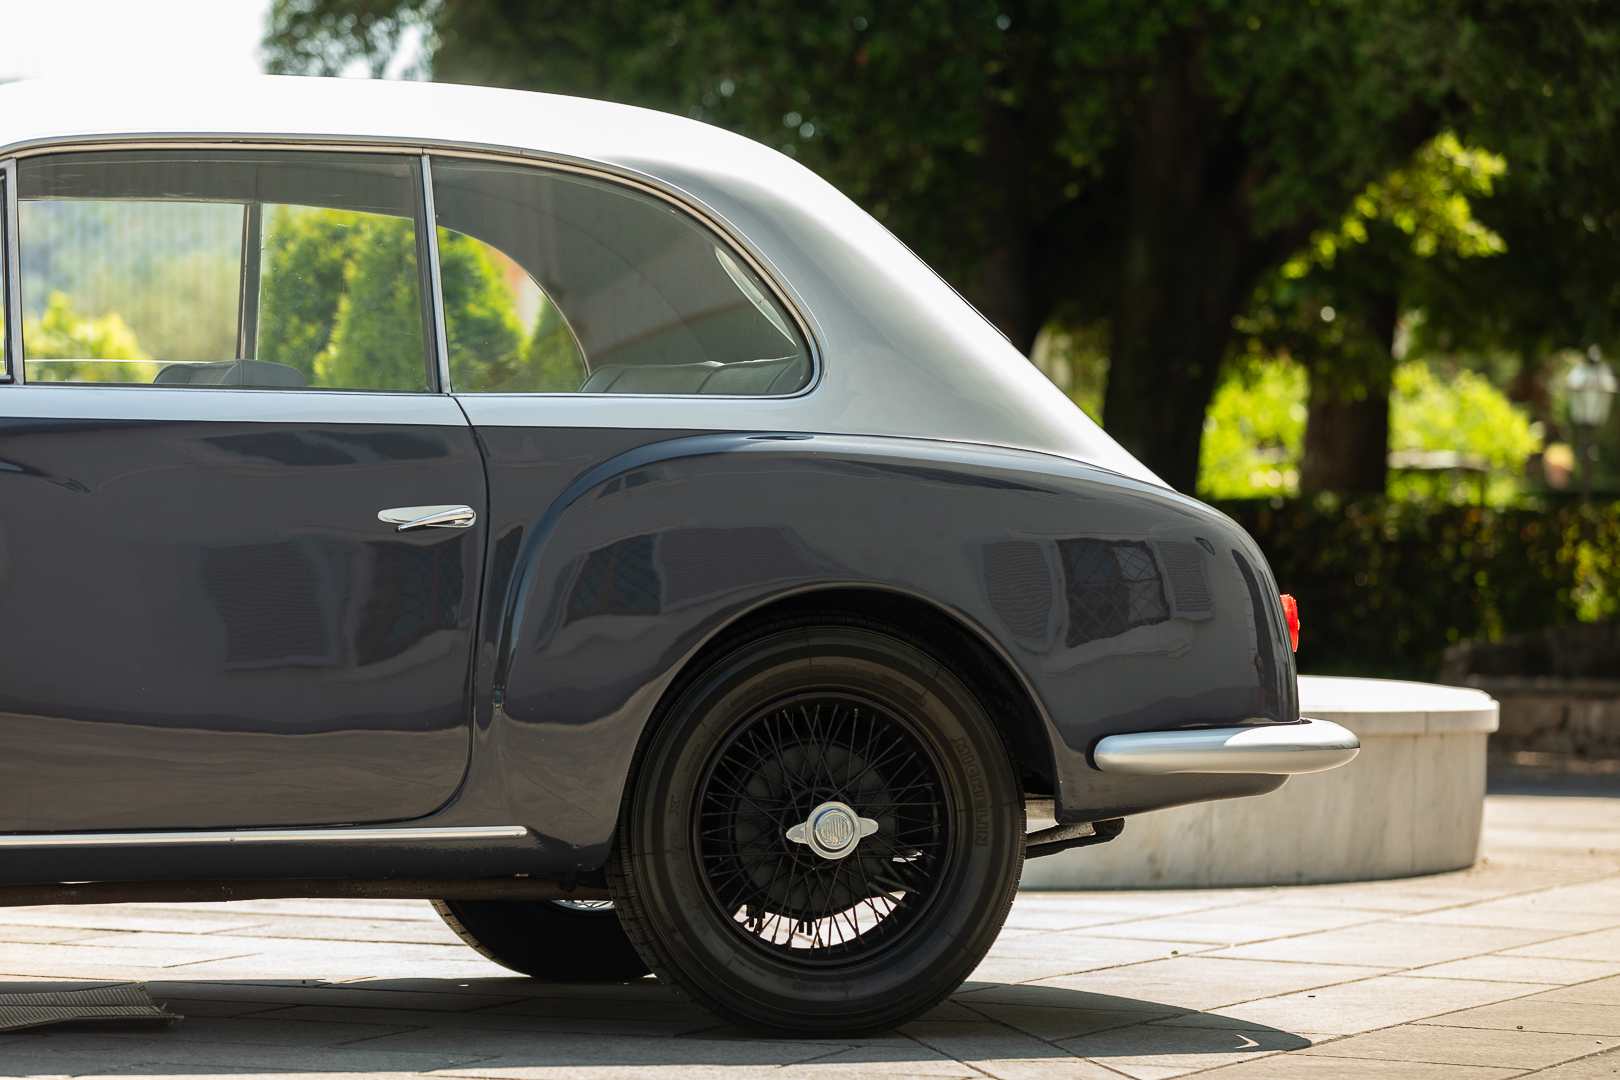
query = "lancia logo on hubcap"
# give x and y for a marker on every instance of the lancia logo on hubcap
(833, 830)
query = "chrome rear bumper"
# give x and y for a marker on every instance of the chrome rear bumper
(1306, 747)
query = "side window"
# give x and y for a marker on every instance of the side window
(558, 283)
(208, 269)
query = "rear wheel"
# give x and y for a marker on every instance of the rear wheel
(555, 940)
(823, 834)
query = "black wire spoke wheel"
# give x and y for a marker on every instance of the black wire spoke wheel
(777, 769)
(822, 833)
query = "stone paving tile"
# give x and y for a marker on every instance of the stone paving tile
(1463, 1046)
(1391, 944)
(198, 918)
(1301, 1067)
(1597, 945)
(1528, 912)
(517, 1055)
(1519, 969)
(1085, 951)
(391, 930)
(1054, 1023)
(275, 1030)
(1604, 1066)
(1004, 1054)
(1082, 985)
(1597, 992)
(1596, 896)
(1209, 982)
(41, 935)
(337, 961)
(50, 1053)
(1071, 952)
(976, 995)
(584, 1018)
(1239, 925)
(859, 1062)
(1067, 911)
(439, 994)
(1180, 1048)
(1539, 1014)
(1352, 1008)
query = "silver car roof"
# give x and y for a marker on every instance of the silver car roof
(903, 354)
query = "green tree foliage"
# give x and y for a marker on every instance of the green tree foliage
(1385, 585)
(1254, 435)
(340, 300)
(1254, 431)
(377, 334)
(486, 339)
(1461, 411)
(1142, 163)
(61, 333)
(1334, 306)
(487, 347)
(306, 258)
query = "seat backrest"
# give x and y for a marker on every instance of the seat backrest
(261, 374)
(747, 378)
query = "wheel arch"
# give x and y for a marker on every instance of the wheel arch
(972, 655)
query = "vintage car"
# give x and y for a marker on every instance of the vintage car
(581, 517)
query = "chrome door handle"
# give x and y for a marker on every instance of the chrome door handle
(423, 517)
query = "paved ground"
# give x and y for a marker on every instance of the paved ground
(1503, 970)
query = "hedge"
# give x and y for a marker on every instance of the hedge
(1384, 586)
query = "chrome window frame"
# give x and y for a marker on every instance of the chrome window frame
(14, 372)
(736, 243)
(441, 333)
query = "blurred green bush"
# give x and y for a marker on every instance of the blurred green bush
(1385, 585)
(1254, 432)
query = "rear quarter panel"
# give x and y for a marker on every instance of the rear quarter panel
(600, 588)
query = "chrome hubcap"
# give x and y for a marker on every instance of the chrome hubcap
(833, 830)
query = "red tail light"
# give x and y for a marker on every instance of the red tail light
(1291, 612)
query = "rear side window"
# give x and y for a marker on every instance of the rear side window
(556, 283)
(215, 268)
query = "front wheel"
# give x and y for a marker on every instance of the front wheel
(822, 836)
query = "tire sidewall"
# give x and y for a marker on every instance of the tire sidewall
(947, 939)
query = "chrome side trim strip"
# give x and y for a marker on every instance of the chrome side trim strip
(227, 404)
(1279, 749)
(430, 216)
(13, 298)
(263, 836)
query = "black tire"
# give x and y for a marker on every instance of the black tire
(760, 929)
(557, 941)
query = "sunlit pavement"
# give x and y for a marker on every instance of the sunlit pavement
(1503, 970)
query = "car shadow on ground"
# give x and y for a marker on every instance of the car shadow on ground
(398, 1025)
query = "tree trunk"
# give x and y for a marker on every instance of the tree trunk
(1346, 444)
(1190, 260)
(1347, 431)
(1003, 289)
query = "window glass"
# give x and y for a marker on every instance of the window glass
(555, 282)
(211, 269)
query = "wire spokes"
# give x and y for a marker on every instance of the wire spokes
(778, 767)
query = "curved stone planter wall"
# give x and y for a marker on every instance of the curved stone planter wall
(1410, 803)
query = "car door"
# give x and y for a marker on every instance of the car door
(587, 318)
(223, 370)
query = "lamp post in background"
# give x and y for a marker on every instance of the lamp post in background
(1592, 388)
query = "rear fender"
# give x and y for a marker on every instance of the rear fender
(644, 558)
